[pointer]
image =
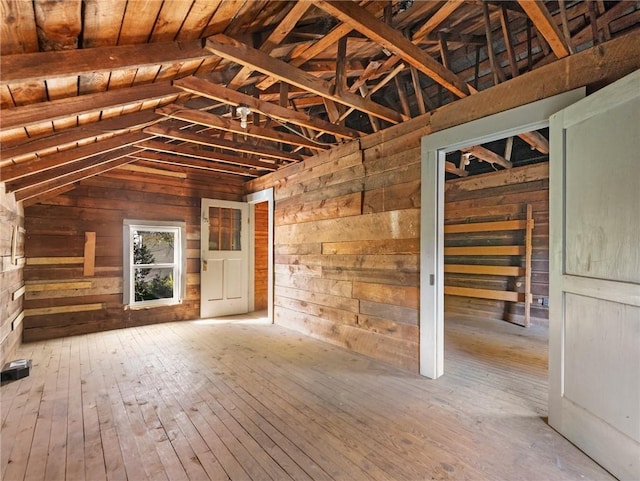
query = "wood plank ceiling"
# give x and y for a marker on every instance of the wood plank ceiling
(89, 86)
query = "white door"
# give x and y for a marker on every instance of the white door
(594, 336)
(224, 255)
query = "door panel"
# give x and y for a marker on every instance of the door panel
(224, 276)
(215, 269)
(233, 278)
(600, 231)
(594, 324)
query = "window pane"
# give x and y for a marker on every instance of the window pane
(153, 283)
(153, 247)
(224, 229)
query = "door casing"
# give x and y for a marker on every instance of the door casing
(435, 146)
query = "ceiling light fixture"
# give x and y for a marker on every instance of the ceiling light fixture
(243, 111)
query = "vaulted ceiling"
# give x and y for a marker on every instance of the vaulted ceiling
(244, 87)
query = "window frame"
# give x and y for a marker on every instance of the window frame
(179, 264)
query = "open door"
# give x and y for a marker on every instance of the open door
(224, 254)
(594, 325)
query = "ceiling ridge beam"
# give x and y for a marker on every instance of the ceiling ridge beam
(216, 92)
(27, 67)
(242, 54)
(394, 41)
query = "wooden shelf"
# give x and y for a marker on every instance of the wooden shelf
(524, 251)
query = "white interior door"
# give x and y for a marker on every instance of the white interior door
(594, 337)
(224, 254)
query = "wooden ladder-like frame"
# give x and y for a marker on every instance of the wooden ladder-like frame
(506, 250)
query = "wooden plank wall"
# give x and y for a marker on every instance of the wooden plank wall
(347, 242)
(500, 196)
(60, 299)
(261, 255)
(346, 249)
(12, 261)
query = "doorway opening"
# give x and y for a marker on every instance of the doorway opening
(261, 255)
(435, 147)
(496, 210)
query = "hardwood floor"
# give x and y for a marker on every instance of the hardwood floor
(253, 401)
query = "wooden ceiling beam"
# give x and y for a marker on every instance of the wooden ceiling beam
(228, 125)
(231, 97)
(68, 138)
(198, 153)
(190, 163)
(274, 39)
(393, 40)
(68, 174)
(487, 155)
(28, 67)
(544, 22)
(388, 78)
(211, 141)
(230, 49)
(30, 167)
(452, 169)
(74, 106)
(436, 19)
(536, 140)
(322, 44)
(37, 199)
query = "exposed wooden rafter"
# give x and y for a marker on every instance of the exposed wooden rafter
(214, 121)
(64, 63)
(199, 153)
(166, 131)
(231, 97)
(233, 50)
(62, 108)
(39, 165)
(487, 155)
(275, 37)
(393, 40)
(199, 164)
(546, 25)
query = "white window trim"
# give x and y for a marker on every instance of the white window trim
(129, 226)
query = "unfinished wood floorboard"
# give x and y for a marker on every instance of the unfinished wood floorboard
(240, 399)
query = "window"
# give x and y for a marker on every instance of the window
(154, 263)
(224, 229)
